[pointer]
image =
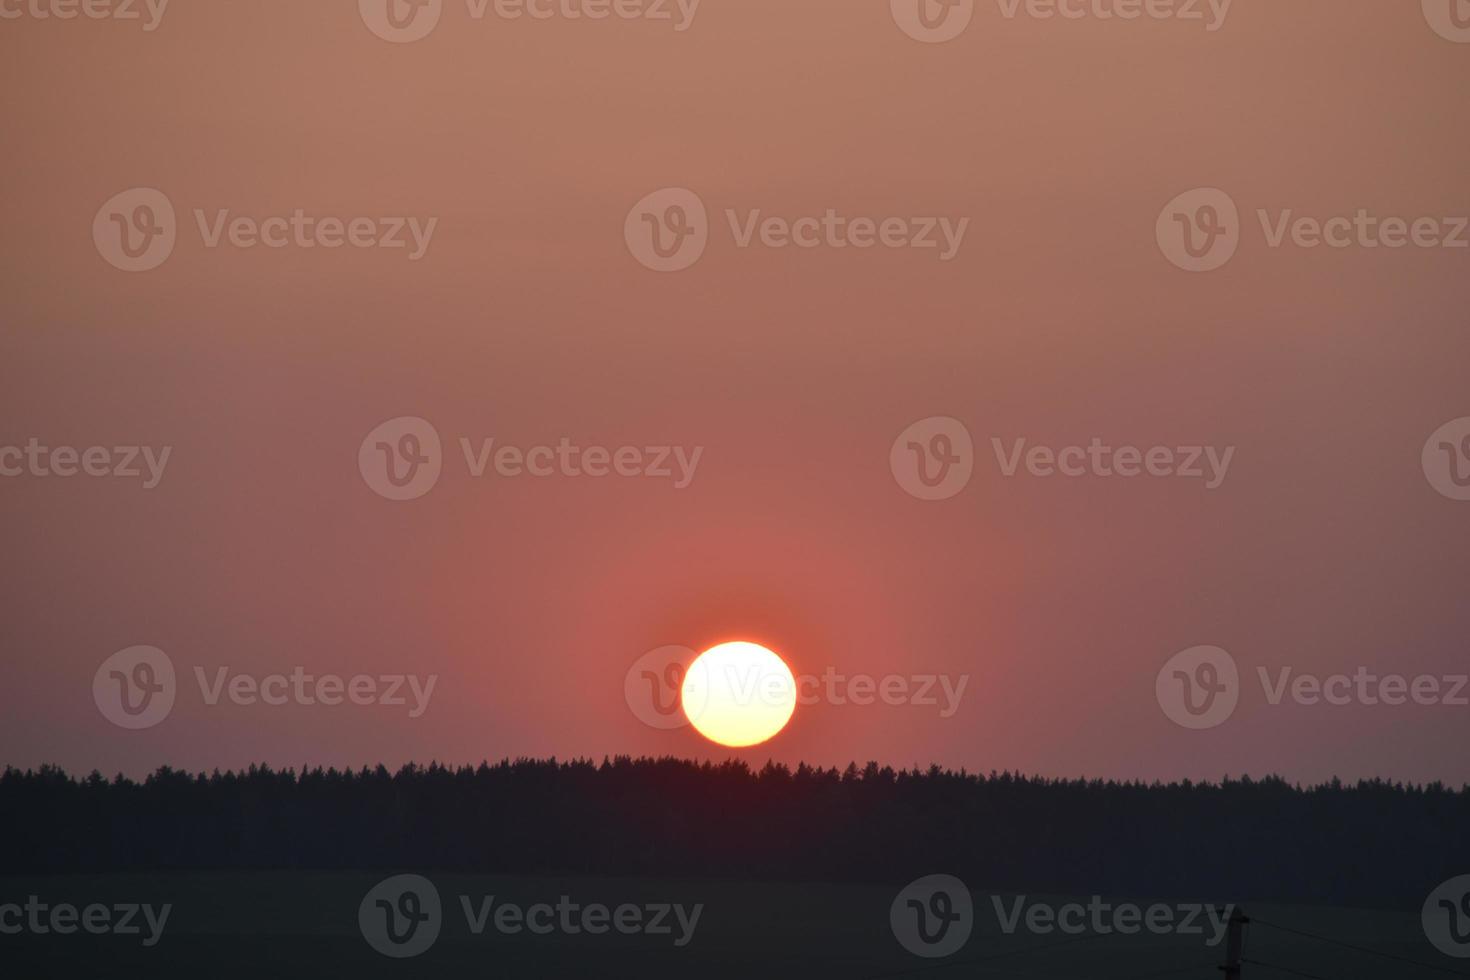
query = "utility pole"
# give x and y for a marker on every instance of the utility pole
(1235, 945)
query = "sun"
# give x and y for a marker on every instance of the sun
(738, 694)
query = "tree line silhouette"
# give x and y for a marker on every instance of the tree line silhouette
(1370, 843)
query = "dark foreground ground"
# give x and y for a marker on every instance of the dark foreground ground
(666, 868)
(306, 925)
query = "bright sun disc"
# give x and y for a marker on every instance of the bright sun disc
(738, 694)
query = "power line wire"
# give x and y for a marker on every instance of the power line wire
(1360, 949)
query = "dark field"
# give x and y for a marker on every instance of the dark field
(275, 923)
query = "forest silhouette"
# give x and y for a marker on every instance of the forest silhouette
(1372, 843)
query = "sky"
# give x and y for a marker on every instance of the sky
(1057, 236)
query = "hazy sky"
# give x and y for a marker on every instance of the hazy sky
(527, 315)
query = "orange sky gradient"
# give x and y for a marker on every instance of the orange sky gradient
(528, 321)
